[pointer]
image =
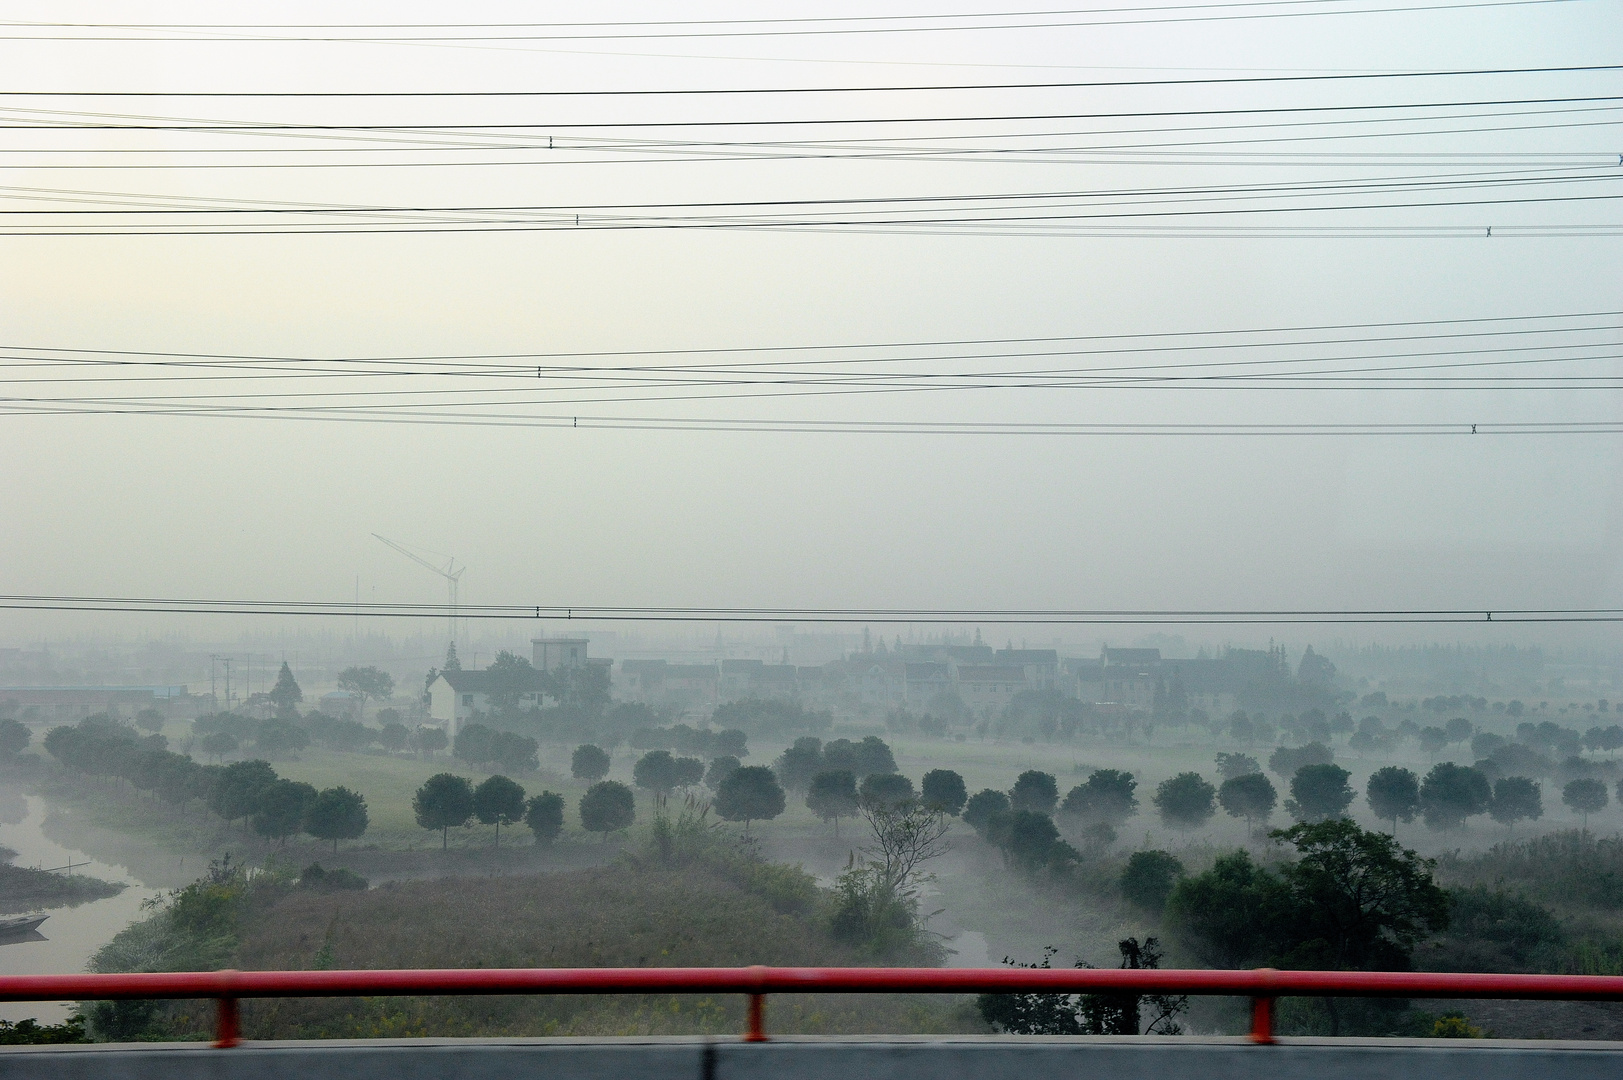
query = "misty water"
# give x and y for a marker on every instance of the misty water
(71, 935)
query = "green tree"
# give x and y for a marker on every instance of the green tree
(1586, 796)
(1451, 793)
(589, 762)
(833, 795)
(544, 814)
(1459, 729)
(336, 814)
(217, 744)
(498, 801)
(1186, 801)
(607, 805)
(1250, 796)
(985, 807)
(1516, 798)
(149, 720)
(943, 791)
(656, 772)
(445, 800)
(236, 792)
(1394, 795)
(1433, 740)
(1149, 878)
(280, 738)
(1231, 765)
(799, 763)
(279, 810)
(14, 738)
(892, 790)
(429, 739)
(1319, 792)
(1106, 798)
(1034, 790)
(720, 769)
(394, 737)
(366, 682)
(510, 679)
(751, 793)
(286, 695)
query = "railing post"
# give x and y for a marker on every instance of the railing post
(1262, 1019)
(225, 1023)
(756, 1031)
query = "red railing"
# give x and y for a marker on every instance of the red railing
(1261, 986)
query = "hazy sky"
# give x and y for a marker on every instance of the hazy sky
(189, 505)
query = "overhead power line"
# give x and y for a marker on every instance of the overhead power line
(951, 616)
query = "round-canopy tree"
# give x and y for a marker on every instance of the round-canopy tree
(445, 800)
(607, 805)
(719, 770)
(589, 762)
(1035, 791)
(429, 740)
(544, 814)
(1149, 878)
(799, 763)
(1319, 792)
(498, 801)
(1586, 796)
(1516, 798)
(217, 744)
(833, 795)
(1186, 801)
(751, 793)
(885, 791)
(1451, 793)
(280, 809)
(394, 737)
(1106, 798)
(984, 807)
(14, 737)
(1250, 796)
(336, 814)
(236, 791)
(1394, 795)
(943, 791)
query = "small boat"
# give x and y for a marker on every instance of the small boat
(19, 926)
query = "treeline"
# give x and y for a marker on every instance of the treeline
(248, 791)
(281, 736)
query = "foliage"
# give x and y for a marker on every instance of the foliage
(659, 772)
(280, 808)
(751, 793)
(1186, 801)
(430, 739)
(983, 808)
(943, 790)
(286, 695)
(1034, 790)
(1086, 1014)
(544, 814)
(1493, 929)
(478, 744)
(706, 744)
(833, 795)
(1451, 793)
(1030, 841)
(770, 717)
(1286, 760)
(890, 790)
(876, 902)
(1585, 796)
(394, 737)
(31, 1032)
(510, 679)
(27, 889)
(864, 758)
(279, 738)
(589, 762)
(444, 801)
(1106, 797)
(720, 769)
(236, 791)
(1250, 796)
(14, 737)
(607, 806)
(498, 801)
(1231, 765)
(314, 877)
(1319, 792)
(1149, 878)
(1516, 798)
(336, 814)
(799, 763)
(366, 682)
(1394, 794)
(1353, 900)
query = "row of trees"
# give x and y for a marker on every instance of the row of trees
(447, 801)
(250, 791)
(280, 736)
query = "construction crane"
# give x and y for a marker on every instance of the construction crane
(450, 572)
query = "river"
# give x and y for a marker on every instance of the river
(72, 934)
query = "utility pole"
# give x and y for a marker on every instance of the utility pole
(227, 661)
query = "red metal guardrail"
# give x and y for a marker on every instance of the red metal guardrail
(1262, 986)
